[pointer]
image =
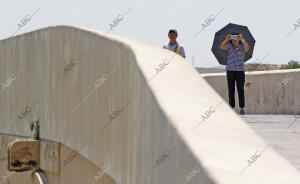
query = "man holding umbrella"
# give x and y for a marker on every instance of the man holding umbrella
(236, 47)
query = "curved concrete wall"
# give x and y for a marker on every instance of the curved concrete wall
(59, 162)
(271, 92)
(145, 115)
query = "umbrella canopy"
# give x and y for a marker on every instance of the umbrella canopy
(220, 36)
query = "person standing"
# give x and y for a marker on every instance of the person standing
(173, 44)
(236, 47)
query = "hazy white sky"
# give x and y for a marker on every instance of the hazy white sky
(149, 21)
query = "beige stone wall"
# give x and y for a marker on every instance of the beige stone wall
(154, 98)
(59, 162)
(271, 92)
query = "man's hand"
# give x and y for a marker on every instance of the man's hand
(223, 44)
(240, 37)
(228, 37)
(246, 46)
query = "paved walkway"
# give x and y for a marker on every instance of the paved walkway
(282, 132)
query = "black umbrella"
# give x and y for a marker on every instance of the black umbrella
(220, 36)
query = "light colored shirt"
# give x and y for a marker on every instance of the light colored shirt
(180, 49)
(235, 58)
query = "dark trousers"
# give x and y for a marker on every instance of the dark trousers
(239, 78)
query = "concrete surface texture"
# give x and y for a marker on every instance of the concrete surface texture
(282, 132)
(60, 163)
(270, 92)
(141, 109)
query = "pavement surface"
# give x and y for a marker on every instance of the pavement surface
(282, 132)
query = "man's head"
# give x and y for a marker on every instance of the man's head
(173, 35)
(235, 42)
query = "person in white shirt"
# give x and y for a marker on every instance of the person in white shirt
(173, 44)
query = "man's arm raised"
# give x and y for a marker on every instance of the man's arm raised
(223, 45)
(246, 46)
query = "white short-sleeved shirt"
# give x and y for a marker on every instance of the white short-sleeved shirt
(180, 49)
